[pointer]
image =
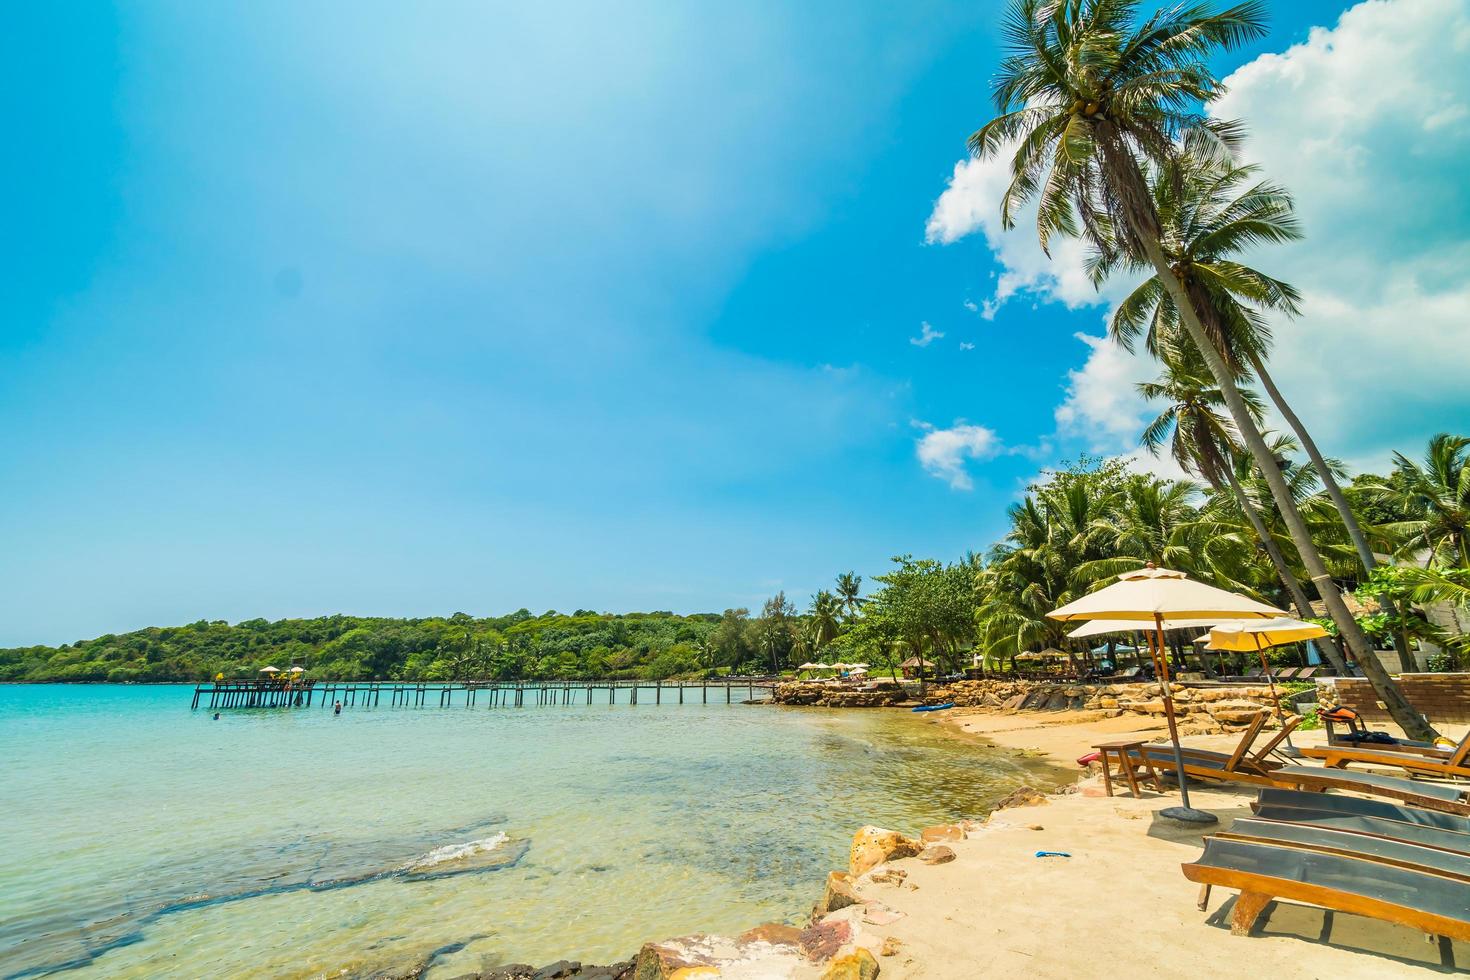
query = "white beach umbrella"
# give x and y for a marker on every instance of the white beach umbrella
(1160, 595)
(269, 670)
(1098, 627)
(298, 670)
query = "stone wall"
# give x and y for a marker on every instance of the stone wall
(1225, 708)
(1203, 708)
(833, 696)
(1443, 698)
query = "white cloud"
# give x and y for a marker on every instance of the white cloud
(971, 203)
(1367, 124)
(1102, 405)
(943, 452)
(970, 305)
(927, 337)
(965, 345)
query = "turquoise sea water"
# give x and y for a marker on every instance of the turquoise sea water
(145, 840)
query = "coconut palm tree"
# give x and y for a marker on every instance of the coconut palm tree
(1437, 493)
(849, 591)
(1210, 211)
(824, 624)
(1089, 95)
(1202, 441)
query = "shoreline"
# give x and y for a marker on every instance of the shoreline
(976, 899)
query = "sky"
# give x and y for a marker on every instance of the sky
(398, 310)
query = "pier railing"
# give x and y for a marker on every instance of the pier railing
(221, 694)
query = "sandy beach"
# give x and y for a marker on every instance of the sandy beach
(1119, 903)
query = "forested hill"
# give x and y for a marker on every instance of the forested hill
(653, 645)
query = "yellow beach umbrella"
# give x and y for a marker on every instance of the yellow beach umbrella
(1259, 635)
(1163, 595)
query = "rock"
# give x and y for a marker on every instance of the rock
(857, 965)
(891, 947)
(872, 846)
(821, 940)
(1022, 796)
(558, 970)
(937, 854)
(838, 894)
(510, 971)
(1107, 702)
(942, 832)
(673, 958)
(889, 876)
(1036, 826)
(701, 957)
(878, 914)
(775, 933)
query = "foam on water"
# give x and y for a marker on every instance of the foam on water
(456, 852)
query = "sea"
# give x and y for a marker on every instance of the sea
(139, 838)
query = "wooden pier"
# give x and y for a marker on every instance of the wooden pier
(222, 694)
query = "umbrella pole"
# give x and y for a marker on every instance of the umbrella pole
(1290, 749)
(1184, 813)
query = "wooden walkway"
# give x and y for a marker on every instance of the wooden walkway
(216, 695)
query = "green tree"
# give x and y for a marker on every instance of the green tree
(1089, 94)
(825, 619)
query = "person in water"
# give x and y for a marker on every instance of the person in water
(216, 716)
(337, 708)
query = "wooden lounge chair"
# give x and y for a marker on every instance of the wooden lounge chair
(1345, 728)
(1241, 766)
(1444, 763)
(1431, 796)
(1378, 818)
(1396, 881)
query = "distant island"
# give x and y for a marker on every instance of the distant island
(552, 645)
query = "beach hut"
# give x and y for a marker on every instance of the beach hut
(1160, 596)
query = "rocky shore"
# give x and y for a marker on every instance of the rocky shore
(1200, 709)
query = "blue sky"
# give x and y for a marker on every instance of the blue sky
(400, 310)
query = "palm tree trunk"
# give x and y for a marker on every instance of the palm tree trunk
(1334, 491)
(1128, 183)
(1278, 559)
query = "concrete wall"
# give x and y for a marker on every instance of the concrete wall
(1442, 697)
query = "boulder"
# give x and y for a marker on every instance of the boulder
(937, 854)
(821, 940)
(872, 846)
(558, 970)
(942, 832)
(838, 894)
(857, 965)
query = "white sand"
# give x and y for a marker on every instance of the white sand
(1119, 905)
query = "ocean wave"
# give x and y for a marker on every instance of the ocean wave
(455, 852)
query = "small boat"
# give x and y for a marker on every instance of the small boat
(935, 707)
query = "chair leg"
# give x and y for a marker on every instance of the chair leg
(1204, 898)
(1248, 908)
